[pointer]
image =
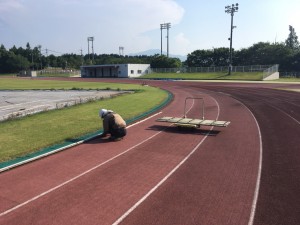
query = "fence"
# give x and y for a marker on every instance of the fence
(53, 72)
(271, 70)
(252, 68)
(289, 74)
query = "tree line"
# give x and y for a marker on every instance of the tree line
(16, 59)
(286, 54)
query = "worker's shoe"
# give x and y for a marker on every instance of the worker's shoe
(115, 138)
(118, 139)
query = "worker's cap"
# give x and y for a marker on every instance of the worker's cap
(104, 112)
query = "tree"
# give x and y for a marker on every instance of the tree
(12, 63)
(206, 58)
(263, 53)
(220, 56)
(292, 40)
(162, 61)
(200, 58)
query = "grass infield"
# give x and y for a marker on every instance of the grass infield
(254, 76)
(22, 136)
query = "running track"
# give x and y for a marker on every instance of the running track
(247, 173)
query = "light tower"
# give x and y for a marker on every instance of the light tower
(164, 26)
(92, 40)
(121, 50)
(231, 9)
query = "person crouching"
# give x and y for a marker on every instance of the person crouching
(113, 124)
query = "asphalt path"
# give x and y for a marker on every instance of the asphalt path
(247, 173)
(18, 103)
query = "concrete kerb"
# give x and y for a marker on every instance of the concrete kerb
(15, 104)
(4, 166)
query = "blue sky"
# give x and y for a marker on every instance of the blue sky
(64, 25)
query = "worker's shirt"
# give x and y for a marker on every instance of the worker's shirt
(112, 121)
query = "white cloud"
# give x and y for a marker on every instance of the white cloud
(65, 25)
(8, 8)
(9, 5)
(182, 44)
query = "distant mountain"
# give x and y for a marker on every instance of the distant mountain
(151, 52)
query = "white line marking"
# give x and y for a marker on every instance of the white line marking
(285, 113)
(63, 148)
(76, 177)
(159, 184)
(166, 177)
(141, 121)
(256, 192)
(257, 186)
(84, 173)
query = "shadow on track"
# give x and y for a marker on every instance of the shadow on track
(184, 130)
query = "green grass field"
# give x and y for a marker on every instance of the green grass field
(32, 133)
(251, 76)
(29, 134)
(255, 76)
(289, 80)
(35, 84)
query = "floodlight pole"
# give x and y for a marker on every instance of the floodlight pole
(168, 26)
(231, 10)
(161, 28)
(92, 40)
(164, 26)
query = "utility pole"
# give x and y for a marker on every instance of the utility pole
(47, 57)
(231, 10)
(81, 57)
(164, 26)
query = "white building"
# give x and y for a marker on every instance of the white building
(115, 70)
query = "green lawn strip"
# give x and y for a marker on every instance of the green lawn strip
(206, 76)
(37, 84)
(55, 75)
(289, 89)
(8, 74)
(29, 134)
(289, 80)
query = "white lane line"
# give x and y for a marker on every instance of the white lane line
(285, 113)
(84, 173)
(160, 183)
(65, 147)
(141, 121)
(120, 219)
(258, 179)
(257, 186)
(76, 177)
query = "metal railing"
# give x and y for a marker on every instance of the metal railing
(289, 74)
(251, 68)
(269, 71)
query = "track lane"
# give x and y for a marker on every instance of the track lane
(279, 198)
(219, 179)
(107, 192)
(29, 218)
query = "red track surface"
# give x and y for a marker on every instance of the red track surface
(160, 175)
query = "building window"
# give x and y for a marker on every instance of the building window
(132, 71)
(139, 71)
